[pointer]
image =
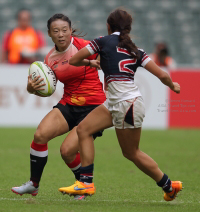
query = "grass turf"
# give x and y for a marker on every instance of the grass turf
(120, 185)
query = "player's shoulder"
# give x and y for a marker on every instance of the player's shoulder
(140, 50)
(48, 55)
(102, 40)
(79, 42)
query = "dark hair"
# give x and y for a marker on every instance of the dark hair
(64, 18)
(21, 10)
(163, 48)
(119, 20)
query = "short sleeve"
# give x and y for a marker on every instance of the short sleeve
(94, 46)
(144, 58)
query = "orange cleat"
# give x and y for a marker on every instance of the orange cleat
(176, 187)
(79, 188)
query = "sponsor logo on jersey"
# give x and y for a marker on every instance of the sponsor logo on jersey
(65, 61)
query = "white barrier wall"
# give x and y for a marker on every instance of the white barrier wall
(19, 108)
(154, 93)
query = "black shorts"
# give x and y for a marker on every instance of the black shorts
(75, 114)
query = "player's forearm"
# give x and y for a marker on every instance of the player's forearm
(166, 80)
(75, 62)
(79, 58)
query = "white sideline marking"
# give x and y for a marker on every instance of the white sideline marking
(103, 200)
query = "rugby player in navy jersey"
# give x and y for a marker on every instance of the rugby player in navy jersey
(124, 108)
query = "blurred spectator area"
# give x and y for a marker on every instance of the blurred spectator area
(173, 21)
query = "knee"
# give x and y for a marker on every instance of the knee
(81, 130)
(63, 151)
(66, 154)
(39, 137)
(132, 155)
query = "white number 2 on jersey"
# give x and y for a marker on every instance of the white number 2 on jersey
(124, 63)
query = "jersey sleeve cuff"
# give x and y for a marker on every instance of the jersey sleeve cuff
(90, 49)
(145, 61)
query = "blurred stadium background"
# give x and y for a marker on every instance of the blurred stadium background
(174, 21)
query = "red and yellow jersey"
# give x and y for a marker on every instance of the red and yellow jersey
(81, 84)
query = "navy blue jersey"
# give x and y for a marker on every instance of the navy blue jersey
(115, 61)
(118, 66)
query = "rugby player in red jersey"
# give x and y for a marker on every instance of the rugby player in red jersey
(82, 93)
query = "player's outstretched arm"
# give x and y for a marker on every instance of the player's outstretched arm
(163, 76)
(79, 59)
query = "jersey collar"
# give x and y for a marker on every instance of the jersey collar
(115, 33)
(72, 40)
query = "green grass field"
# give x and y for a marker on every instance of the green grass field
(120, 185)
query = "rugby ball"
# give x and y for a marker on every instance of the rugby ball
(41, 69)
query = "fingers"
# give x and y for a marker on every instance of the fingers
(39, 86)
(35, 84)
(36, 79)
(98, 66)
(176, 88)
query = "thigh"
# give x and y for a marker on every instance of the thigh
(128, 139)
(81, 114)
(98, 119)
(52, 125)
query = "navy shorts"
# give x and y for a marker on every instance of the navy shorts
(75, 114)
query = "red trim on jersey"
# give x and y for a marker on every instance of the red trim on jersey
(121, 50)
(93, 47)
(117, 80)
(124, 63)
(39, 147)
(76, 161)
(144, 58)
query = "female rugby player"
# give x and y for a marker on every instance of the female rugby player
(82, 93)
(124, 107)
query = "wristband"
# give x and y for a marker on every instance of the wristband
(88, 63)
